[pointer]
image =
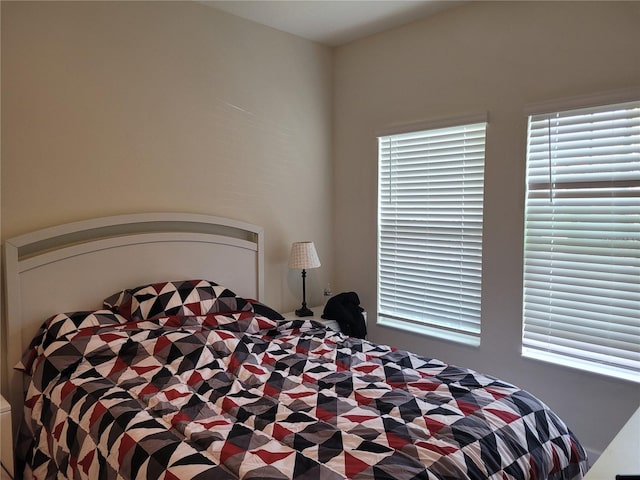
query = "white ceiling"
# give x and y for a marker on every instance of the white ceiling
(332, 22)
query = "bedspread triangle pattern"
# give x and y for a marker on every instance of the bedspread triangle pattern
(200, 397)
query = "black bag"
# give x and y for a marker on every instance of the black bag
(346, 310)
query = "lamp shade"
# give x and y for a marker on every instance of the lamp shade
(303, 255)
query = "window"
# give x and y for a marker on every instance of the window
(430, 196)
(582, 239)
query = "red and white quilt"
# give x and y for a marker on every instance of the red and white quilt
(236, 395)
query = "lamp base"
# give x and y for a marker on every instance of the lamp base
(304, 312)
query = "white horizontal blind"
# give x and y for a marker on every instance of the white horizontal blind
(582, 239)
(431, 186)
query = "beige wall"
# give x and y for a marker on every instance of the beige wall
(481, 57)
(112, 108)
(122, 107)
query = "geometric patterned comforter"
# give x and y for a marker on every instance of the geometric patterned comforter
(237, 395)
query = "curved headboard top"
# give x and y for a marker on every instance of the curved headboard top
(75, 266)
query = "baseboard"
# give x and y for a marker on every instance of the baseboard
(592, 455)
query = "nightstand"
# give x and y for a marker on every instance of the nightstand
(317, 316)
(6, 440)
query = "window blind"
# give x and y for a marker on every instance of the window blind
(582, 239)
(431, 186)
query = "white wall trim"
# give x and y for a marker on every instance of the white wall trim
(466, 119)
(584, 101)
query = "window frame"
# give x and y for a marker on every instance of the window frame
(423, 327)
(563, 107)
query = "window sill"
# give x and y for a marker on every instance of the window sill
(429, 331)
(560, 360)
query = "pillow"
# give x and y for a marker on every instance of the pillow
(185, 297)
(62, 324)
(264, 310)
(240, 322)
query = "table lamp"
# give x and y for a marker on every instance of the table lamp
(304, 255)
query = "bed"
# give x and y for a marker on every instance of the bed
(144, 351)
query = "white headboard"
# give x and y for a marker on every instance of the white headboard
(75, 266)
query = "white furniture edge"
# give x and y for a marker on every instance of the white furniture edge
(317, 316)
(318, 311)
(75, 266)
(622, 455)
(6, 439)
